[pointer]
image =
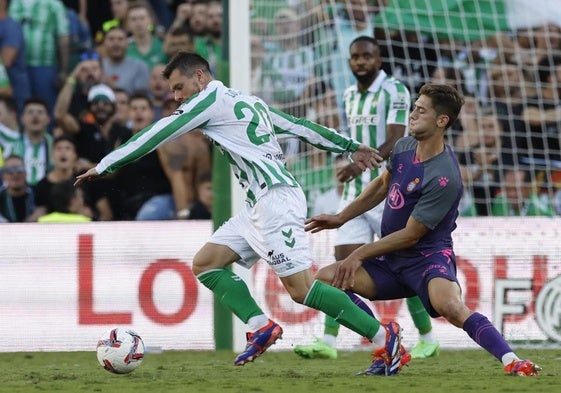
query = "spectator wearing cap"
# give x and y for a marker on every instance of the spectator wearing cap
(95, 140)
(72, 102)
(121, 70)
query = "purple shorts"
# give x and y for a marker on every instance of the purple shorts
(398, 277)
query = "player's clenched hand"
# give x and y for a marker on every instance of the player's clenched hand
(321, 222)
(344, 277)
(367, 157)
(91, 174)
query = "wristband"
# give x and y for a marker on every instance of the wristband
(71, 80)
(183, 214)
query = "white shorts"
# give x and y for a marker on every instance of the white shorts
(361, 229)
(273, 230)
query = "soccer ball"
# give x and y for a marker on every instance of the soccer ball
(120, 351)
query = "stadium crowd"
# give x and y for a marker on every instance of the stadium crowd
(78, 78)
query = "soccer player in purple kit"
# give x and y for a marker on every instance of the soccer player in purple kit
(422, 186)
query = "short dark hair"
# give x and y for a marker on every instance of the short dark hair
(445, 100)
(38, 101)
(66, 138)
(60, 196)
(141, 95)
(364, 38)
(186, 63)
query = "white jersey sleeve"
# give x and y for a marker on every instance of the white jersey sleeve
(242, 127)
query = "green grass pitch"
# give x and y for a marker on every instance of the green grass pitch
(201, 372)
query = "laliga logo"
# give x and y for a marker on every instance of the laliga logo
(548, 309)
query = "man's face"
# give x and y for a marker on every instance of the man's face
(119, 8)
(89, 73)
(177, 43)
(198, 19)
(121, 106)
(214, 19)
(139, 21)
(14, 174)
(102, 110)
(115, 44)
(517, 190)
(64, 155)
(157, 84)
(141, 114)
(184, 87)
(423, 119)
(35, 118)
(364, 61)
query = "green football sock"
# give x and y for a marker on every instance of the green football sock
(339, 306)
(419, 314)
(331, 326)
(232, 292)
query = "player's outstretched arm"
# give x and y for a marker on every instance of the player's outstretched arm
(367, 157)
(91, 174)
(323, 221)
(371, 196)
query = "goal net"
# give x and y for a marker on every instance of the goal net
(503, 56)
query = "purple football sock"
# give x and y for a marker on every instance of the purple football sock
(480, 329)
(358, 301)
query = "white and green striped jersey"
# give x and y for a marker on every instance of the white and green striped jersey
(43, 22)
(36, 156)
(8, 138)
(387, 101)
(243, 128)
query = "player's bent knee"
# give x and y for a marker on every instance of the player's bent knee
(454, 311)
(324, 274)
(298, 297)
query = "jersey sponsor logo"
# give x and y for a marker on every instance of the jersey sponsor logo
(548, 309)
(278, 259)
(401, 102)
(400, 106)
(276, 156)
(395, 199)
(361, 120)
(413, 184)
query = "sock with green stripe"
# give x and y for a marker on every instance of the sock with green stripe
(232, 292)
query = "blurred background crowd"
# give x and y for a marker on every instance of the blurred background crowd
(79, 77)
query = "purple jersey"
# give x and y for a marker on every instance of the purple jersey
(430, 191)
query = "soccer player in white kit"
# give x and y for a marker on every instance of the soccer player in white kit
(271, 225)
